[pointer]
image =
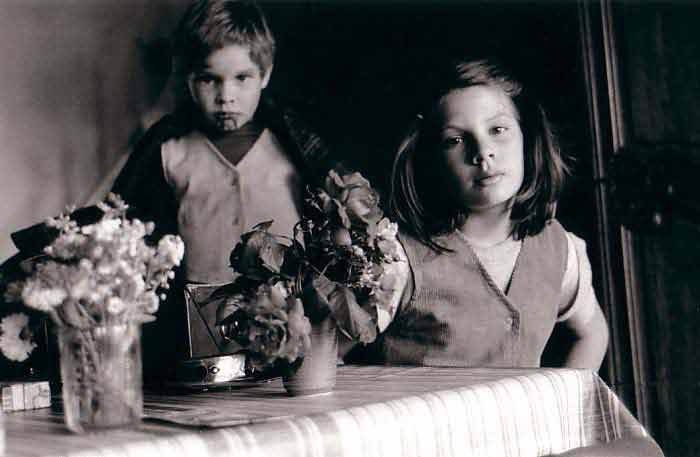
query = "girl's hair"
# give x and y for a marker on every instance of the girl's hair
(209, 25)
(425, 212)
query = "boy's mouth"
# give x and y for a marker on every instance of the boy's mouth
(227, 120)
(226, 115)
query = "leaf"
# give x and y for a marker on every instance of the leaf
(227, 290)
(225, 310)
(272, 256)
(315, 297)
(263, 226)
(342, 214)
(258, 254)
(353, 321)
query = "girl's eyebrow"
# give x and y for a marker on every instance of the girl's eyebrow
(450, 127)
(500, 114)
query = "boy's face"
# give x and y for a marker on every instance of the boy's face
(227, 88)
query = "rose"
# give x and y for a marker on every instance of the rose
(267, 335)
(259, 254)
(350, 198)
(267, 322)
(298, 330)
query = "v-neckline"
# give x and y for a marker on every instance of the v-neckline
(504, 295)
(223, 158)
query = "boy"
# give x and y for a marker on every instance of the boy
(225, 160)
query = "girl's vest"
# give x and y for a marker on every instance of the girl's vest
(218, 202)
(457, 316)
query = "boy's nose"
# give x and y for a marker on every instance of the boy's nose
(227, 93)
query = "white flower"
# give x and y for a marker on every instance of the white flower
(13, 346)
(80, 289)
(100, 271)
(386, 229)
(172, 248)
(103, 230)
(105, 268)
(42, 298)
(97, 252)
(115, 305)
(281, 289)
(151, 302)
(135, 285)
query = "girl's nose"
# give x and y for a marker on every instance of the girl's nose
(484, 156)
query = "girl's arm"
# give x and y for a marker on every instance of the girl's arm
(583, 315)
(590, 339)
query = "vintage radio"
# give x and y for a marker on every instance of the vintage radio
(210, 360)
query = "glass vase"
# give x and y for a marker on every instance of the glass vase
(316, 372)
(101, 375)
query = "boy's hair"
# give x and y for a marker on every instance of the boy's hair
(426, 213)
(209, 25)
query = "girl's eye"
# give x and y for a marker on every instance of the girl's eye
(453, 141)
(499, 130)
(243, 78)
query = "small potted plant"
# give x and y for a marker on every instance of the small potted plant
(338, 272)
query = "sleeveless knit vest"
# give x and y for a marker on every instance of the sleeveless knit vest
(218, 202)
(457, 316)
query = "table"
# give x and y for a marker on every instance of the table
(374, 411)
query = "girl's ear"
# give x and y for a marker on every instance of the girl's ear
(266, 76)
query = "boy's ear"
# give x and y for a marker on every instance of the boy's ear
(190, 87)
(266, 76)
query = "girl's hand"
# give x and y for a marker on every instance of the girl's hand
(622, 447)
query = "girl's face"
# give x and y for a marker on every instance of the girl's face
(480, 147)
(228, 87)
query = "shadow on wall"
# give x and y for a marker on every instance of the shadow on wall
(72, 93)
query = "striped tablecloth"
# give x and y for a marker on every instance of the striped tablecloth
(374, 411)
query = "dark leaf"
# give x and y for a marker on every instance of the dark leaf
(353, 321)
(315, 297)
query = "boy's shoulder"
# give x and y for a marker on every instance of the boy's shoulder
(293, 127)
(170, 126)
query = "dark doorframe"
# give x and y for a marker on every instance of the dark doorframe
(621, 295)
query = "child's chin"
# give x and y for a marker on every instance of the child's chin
(227, 126)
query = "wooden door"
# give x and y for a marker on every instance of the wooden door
(643, 63)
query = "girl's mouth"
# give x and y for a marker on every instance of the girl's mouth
(489, 180)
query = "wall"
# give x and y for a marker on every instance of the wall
(71, 93)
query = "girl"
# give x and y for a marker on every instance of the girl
(474, 189)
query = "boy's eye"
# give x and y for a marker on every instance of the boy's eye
(205, 79)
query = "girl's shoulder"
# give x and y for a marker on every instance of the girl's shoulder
(553, 234)
(419, 252)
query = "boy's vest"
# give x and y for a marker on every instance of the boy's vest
(458, 317)
(218, 202)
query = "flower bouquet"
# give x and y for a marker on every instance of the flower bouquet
(97, 283)
(339, 271)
